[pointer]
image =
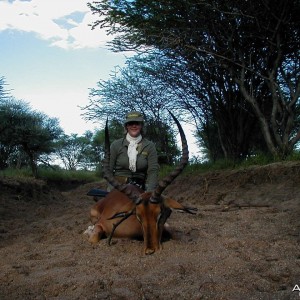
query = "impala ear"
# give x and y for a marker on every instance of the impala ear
(173, 204)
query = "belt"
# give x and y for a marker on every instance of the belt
(132, 180)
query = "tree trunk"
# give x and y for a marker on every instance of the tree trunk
(265, 129)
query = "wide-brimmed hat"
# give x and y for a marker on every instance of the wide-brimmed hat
(134, 116)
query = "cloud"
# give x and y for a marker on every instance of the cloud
(64, 23)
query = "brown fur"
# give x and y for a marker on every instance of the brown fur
(143, 223)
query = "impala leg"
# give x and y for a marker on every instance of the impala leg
(95, 234)
(94, 215)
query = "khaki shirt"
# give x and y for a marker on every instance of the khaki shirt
(146, 163)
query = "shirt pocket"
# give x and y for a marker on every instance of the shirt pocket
(142, 161)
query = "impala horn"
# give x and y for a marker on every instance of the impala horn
(155, 198)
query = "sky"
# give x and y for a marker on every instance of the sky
(50, 57)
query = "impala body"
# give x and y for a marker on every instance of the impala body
(101, 216)
(129, 212)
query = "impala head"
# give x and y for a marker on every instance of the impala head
(150, 208)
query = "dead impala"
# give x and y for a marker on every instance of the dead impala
(129, 212)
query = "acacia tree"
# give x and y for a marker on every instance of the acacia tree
(27, 132)
(5, 149)
(215, 104)
(130, 89)
(256, 43)
(213, 100)
(74, 151)
(127, 89)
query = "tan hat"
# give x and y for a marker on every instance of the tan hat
(134, 116)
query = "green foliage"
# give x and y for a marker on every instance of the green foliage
(116, 131)
(221, 164)
(244, 73)
(69, 175)
(25, 131)
(128, 90)
(264, 159)
(74, 151)
(164, 138)
(58, 175)
(260, 159)
(294, 156)
(16, 173)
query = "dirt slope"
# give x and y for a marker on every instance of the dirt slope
(242, 244)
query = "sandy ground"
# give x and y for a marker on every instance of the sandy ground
(242, 244)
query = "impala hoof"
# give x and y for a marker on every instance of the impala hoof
(89, 231)
(149, 251)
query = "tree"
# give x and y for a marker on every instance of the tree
(5, 149)
(4, 94)
(131, 89)
(28, 131)
(256, 43)
(212, 99)
(127, 88)
(73, 150)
